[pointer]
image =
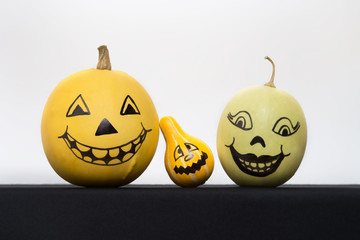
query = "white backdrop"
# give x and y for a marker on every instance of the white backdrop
(192, 57)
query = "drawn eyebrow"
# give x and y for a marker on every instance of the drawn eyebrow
(245, 124)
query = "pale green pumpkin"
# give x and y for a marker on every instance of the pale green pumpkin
(261, 136)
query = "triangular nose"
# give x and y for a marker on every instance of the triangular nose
(105, 127)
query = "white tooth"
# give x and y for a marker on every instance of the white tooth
(99, 153)
(87, 159)
(249, 168)
(243, 165)
(70, 138)
(273, 162)
(82, 147)
(100, 162)
(114, 152)
(255, 170)
(253, 164)
(77, 153)
(247, 163)
(127, 157)
(136, 141)
(268, 164)
(261, 165)
(242, 160)
(267, 169)
(261, 170)
(114, 161)
(127, 147)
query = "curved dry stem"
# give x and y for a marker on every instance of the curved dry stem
(104, 58)
(271, 82)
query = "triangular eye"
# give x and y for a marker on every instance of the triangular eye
(78, 107)
(178, 153)
(191, 147)
(129, 107)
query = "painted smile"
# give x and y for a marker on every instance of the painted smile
(257, 166)
(194, 167)
(105, 156)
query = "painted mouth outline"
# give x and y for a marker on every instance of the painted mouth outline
(194, 167)
(269, 164)
(136, 143)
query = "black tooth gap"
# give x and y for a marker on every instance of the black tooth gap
(72, 144)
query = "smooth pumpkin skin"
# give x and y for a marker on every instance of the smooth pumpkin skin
(104, 92)
(266, 105)
(175, 138)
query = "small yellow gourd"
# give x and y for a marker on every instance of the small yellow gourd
(188, 160)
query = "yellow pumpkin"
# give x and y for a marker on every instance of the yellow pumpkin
(99, 127)
(188, 160)
(261, 136)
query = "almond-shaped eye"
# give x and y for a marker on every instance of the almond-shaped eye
(178, 153)
(191, 147)
(241, 120)
(284, 127)
(78, 107)
(129, 107)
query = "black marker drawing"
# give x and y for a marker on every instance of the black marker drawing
(241, 120)
(178, 153)
(78, 107)
(258, 139)
(129, 107)
(111, 156)
(284, 127)
(261, 166)
(196, 166)
(105, 127)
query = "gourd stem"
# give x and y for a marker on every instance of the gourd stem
(104, 58)
(271, 82)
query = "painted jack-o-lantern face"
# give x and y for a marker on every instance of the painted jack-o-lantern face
(99, 128)
(104, 156)
(261, 137)
(190, 156)
(188, 160)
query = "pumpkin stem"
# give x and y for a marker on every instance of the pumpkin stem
(271, 82)
(104, 59)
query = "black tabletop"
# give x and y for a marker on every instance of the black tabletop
(170, 212)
